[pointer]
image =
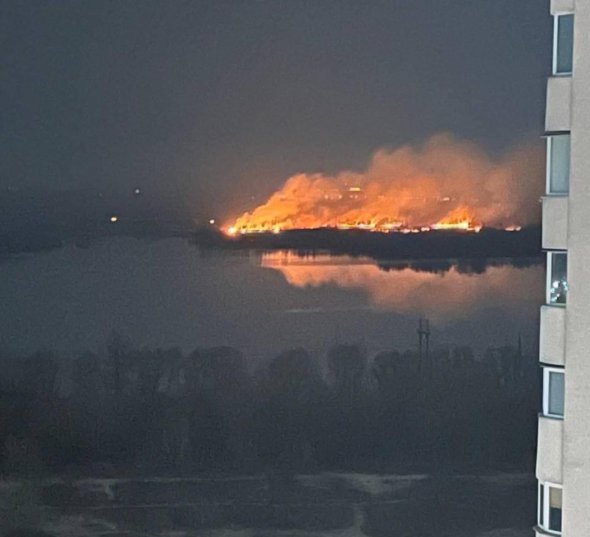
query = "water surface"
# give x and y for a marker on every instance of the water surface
(166, 293)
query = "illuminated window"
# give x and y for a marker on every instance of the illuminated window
(553, 392)
(558, 163)
(563, 44)
(557, 286)
(549, 511)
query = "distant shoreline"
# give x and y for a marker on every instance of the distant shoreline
(488, 244)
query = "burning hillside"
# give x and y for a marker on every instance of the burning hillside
(445, 184)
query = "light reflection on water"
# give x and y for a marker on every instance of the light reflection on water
(166, 293)
(443, 293)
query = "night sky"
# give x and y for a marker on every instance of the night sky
(212, 103)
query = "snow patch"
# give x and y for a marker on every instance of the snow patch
(378, 485)
(98, 486)
(506, 532)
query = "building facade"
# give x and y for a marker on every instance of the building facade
(563, 455)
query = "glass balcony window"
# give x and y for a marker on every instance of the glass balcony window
(553, 392)
(563, 44)
(557, 286)
(558, 163)
(549, 508)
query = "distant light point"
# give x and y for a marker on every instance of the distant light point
(136, 191)
(212, 221)
(114, 219)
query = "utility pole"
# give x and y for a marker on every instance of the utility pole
(423, 338)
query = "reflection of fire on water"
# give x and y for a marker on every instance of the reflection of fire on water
(441, 296)
(444, 185)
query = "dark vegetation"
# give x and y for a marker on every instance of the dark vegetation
(488, 243)
(32, 220)
(132, 411)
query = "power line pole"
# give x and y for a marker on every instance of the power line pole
(423, 339)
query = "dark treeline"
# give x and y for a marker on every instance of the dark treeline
(144, 411)
(489, 243)
(461, 265)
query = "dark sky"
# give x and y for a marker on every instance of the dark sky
(212, 102)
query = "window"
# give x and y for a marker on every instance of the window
(563, 44)
(549, 512)
(557, 278)
(553, 392)
(558, 163)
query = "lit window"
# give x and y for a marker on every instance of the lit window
(557, 287)
(563, 44)
(549, 511)
(553, 391)
(558, 164)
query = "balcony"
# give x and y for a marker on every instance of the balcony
(554, 235)
(552, 335)
(540, 532)
(562, 6)
(549, 449)
(559, 98)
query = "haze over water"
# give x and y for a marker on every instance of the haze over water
(166, 293)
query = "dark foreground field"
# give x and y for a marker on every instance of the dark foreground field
(329, 504)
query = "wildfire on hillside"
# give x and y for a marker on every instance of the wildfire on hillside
(446, 184)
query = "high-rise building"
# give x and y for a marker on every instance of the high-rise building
(563, 456)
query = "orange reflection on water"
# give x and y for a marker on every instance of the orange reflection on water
(444, 295)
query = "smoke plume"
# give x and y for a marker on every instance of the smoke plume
(445, 181)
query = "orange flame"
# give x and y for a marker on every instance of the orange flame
(446, 184)
(460, 218)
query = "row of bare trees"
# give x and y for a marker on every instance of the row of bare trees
(161, 411)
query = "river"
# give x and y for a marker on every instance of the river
(165, 293)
